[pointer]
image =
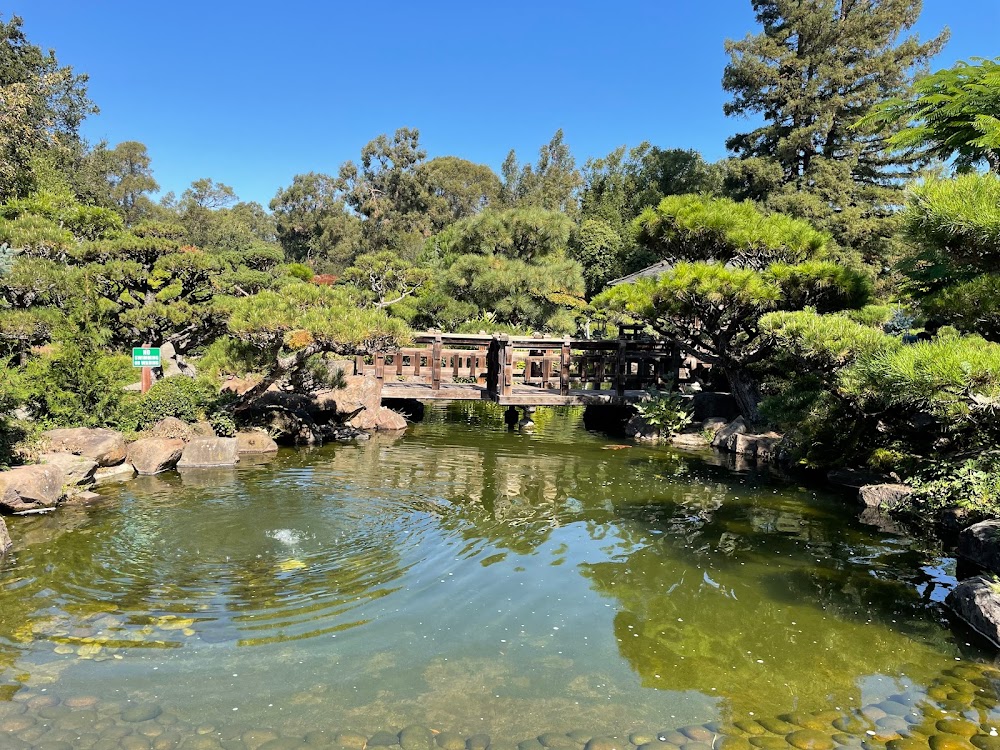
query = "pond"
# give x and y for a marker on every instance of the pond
(473, 586)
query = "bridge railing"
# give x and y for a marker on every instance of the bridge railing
(501, 362)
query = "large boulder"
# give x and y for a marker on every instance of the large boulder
(980, 543)
(725, 439)
(156, 454)
(360, 393)
(885, 497)
(171, 427)
(120, 473)
(977, 601)
(107, 447)
(638, 428)
(5, 542)
(30, 488)
(76, 470)
(380, 419)
(202, 452)
(255, 441)
(855, 479)
(759, 446)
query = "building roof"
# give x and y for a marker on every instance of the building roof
(650, 271)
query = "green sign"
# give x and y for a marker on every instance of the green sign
(145, 357)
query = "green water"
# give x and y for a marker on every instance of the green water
(469, 580)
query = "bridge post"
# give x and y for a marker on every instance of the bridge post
(564, 355)
(436, 362)
(380, 366)
(620, 370)
(493, 368)
(507, 362)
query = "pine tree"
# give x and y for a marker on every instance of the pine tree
(816, 68)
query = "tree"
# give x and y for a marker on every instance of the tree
(513, 266)
(597, 247)
(388, 278)
(551, 184)
(43, 106)
(954, 113)
(314, 224)
(814, 70)
(458, 189)
(390, 192)
(120, 178)
(954, 226)
(731, 264)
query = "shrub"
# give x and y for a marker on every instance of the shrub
(973, 484)
(187, 399)
(668, 411)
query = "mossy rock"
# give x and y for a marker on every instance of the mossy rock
(907, 743)
(961, 727)
(777, 726)
(950, 742)
(450, 741)
(810, 739)
(750, 726)
(769, 742)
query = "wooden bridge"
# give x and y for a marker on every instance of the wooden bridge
(523, 370)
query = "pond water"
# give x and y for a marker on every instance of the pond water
(464, 581)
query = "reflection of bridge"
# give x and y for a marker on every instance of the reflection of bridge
(523, 370)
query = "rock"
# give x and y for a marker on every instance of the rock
(239, 386)
(452, 741)
(154, 455)
(980, 543)
(714, 424)
(107, 447)
(120, 473)
(689, 440)
(360, 393)
(5, 542)
(416, 738)
(255, 441)
(389, 421)
(714, 404)
(76, 470)
(977, 601)
(639, 429)
(854, 479)
(725, 439)
(202, 428)
(949, 742)
(383, 738)
(141, 712)
(478, 742)
(810, 739)
(759, 446)
(30, 488)
(885, 497)
(83, 497)
(171, 427)
(202, 452)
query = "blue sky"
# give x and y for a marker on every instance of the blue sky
(252, 93)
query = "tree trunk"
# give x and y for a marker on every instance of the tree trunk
(744, 391)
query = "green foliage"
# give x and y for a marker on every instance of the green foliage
(972, 484)
(187, 399)
(812, 71)
(551, 184)
(824, 343)
(386, 277)
(954, 113)
(971, 306)
(692, 227)
(598, 248)
(227, 356)
(668, 411)
(955, 380)
(959, 218)
(524, 234)
(299, 271)
(303, 315)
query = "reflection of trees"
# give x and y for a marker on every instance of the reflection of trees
(766, 601)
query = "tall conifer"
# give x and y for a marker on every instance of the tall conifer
(814, 70)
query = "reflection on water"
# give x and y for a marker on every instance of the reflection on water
(468, 579)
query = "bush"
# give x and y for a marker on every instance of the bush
(187, 399)
(973, 484)
(668, 411)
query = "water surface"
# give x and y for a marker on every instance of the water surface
(470, 579)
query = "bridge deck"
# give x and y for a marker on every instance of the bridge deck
(521, 395)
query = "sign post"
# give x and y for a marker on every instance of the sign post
(147, 358)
